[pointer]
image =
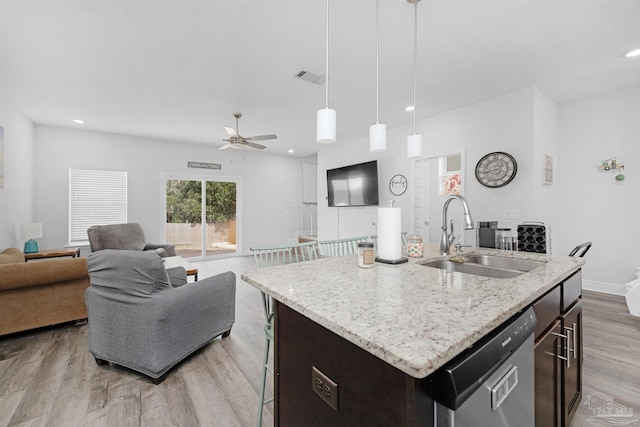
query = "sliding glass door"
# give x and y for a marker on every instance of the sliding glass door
(201, 217)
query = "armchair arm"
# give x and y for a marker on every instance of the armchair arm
(171, 249)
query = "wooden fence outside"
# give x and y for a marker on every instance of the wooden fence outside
(188, 234)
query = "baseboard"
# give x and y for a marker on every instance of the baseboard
(607, 288)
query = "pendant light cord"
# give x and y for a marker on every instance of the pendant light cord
(377, 58)
(415, 60)
(326, 86)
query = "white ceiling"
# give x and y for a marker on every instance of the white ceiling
(179, 69)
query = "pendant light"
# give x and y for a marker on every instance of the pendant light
(414, 141)
(326, 118)
(378, 131)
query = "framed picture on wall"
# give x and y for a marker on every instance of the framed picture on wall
(547, 170)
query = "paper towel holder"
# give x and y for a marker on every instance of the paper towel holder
(400, 260)
(392, 261)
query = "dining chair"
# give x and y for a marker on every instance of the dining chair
(584, 247)
(333, 248)
(268, 257)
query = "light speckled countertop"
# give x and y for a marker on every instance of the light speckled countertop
(413, 317)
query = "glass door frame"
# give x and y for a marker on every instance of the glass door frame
(164, 177)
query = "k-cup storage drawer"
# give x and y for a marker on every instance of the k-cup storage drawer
(547, 309)
(571, 290)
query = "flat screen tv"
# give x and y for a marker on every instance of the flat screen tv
(354, 185)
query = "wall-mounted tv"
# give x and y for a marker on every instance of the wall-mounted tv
(353, 185)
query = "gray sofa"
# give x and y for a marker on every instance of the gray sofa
(139, 319)
(128, 236)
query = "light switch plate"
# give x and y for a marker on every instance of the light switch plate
(512, 213)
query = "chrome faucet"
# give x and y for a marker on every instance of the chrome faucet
(446, 240)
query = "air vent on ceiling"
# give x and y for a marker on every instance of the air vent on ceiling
(310, 76)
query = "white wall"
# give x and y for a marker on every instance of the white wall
(582, 204)
(545, 142)
(503, 123)
(16, 198)
(271, 185)
(592, 204)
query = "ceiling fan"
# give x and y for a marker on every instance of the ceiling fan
(237, 141)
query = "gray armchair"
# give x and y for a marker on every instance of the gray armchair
(126, 237)
(138, 320)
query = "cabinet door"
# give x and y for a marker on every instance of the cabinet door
(572, 371)
(548, 377)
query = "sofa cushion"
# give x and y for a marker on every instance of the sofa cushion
(135, 273)
(11, 255)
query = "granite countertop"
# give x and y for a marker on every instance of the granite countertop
(413, 317)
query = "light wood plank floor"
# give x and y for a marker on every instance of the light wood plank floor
(48, 378)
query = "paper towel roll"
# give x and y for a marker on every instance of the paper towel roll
(389, 230)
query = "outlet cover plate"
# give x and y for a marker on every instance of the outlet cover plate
(324, 387)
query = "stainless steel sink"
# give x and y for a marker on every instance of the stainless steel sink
(505, 262)
(488, 266)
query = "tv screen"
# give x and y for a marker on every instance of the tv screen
(354, 185)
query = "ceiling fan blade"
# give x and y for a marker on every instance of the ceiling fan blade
(232, 132)
(224, 147)
(261, 137)
(257, 146)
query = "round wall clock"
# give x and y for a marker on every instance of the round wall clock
(496, 169)
(398, 185)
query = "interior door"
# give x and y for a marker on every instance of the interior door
(432, 178)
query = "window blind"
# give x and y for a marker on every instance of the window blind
(96, 197)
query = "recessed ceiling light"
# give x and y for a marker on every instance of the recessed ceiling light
(78, 121)
(291, 151)
(633, 53)
(410, 108)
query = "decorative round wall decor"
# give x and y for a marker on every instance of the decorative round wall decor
(398, 185)
(496, 169)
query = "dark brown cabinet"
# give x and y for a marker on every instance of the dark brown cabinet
(548, 378)
(572, 367)
(558, 353)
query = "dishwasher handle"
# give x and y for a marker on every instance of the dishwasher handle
(504, 387)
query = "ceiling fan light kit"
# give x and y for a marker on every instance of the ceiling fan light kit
(378, 131)
(414, 141)
(237, 141)
(326, 118)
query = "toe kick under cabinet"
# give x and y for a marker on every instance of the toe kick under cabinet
(558, 353)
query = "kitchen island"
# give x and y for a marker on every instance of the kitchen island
(377, 332)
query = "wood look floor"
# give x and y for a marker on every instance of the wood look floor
(48, 377)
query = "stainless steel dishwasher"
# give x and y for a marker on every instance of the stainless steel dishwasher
(492, 383)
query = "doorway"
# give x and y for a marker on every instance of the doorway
(200, 216)
(436, 178)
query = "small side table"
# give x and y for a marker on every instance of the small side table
(53, 253)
